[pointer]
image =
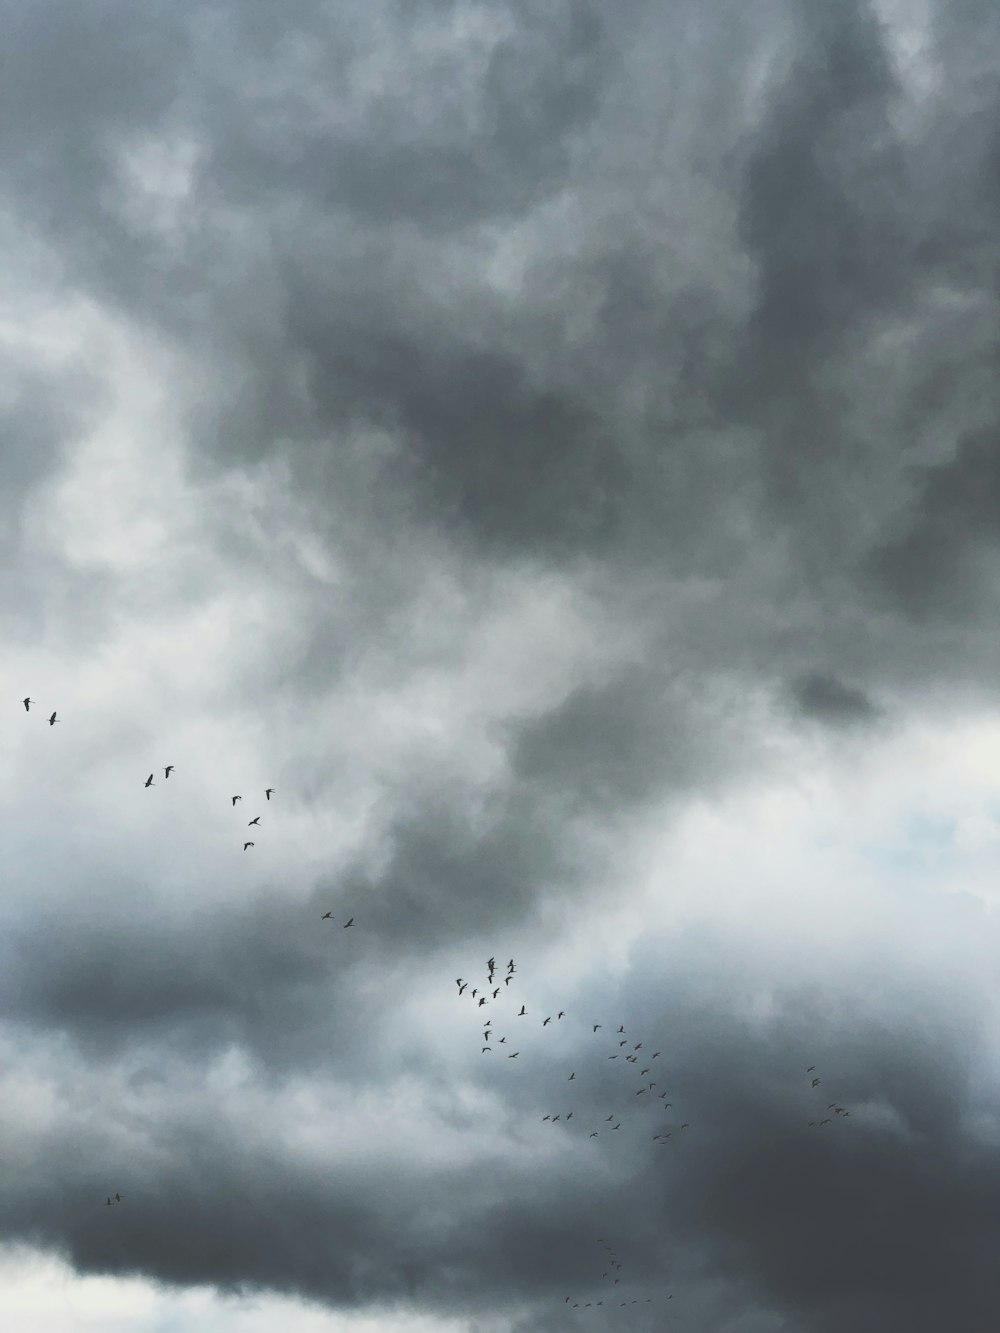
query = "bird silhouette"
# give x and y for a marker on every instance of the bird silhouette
(149, 781)
(327, 916)
(597, 1025)
(622, 1028)
(349, 923)
(237, 798)
(487, 1048)
(810, 1069)
(27, 702)
(594, 1134)
(482, 1001)
(268, 792)
(167, 771)
(522, 1012)
(561, 1013)
(246, 845)
(547, 1020)
(118, 1198)
(572, 1076)
(255, 820)
(513, 1055)
(52, 720)
(815, 1083)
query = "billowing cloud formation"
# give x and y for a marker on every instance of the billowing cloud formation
(506, 436)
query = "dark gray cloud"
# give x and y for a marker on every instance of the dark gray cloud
(830, 700)
(688, 314)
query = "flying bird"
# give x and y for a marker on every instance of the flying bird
(609, 1120)
(349, 923)
(622, 1028)
(815, 1083)
(237, 798)
(149, 781)
(597, 1025)
(487, 1048)
(246, 845)
(496, 992)
(52, 720)
(810, 1069)
(561, 1013)
(464, 986)
(547, 1020)
(513, 1056)
(26, 703)
(253, 821)
(482, 1001)
(268, 792)
(508, 979)
(594, 1134)
(522, 1012)
(327, 916)
(168, 770)
(572, 1076)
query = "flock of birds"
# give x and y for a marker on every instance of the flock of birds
(114, 1200)
(630, 1053)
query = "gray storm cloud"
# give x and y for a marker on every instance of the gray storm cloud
(688, 315)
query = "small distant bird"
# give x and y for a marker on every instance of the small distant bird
(597, 1025)
(496, 992)
(327, 916)
(561, 1013)
(256, 820)
(268, 792)
(52, 720)
(487, 1048)
(510, 966)
(107, 1202)
(815, 1083)
(349, 923)
(167, 771)
(643, 1071)
(623, 1043)
(685, 1125)
(654, 1055)
(118, 1198)
(640, 1092)
(810, 1069)
(513, 1055)
(622, 1028)
(26, 703)
(555, 1118)
(464, 986)
(547, 1020)
(594, 1135)
(572, 1076)
(149, 781)
(569, 1116)
(521, 1012)
(237, 798)
(246, 845)
(637, 1046)
(612, 1057)
(482, 1001)
(508, 979)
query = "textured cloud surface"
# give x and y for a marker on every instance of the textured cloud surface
(554, 449)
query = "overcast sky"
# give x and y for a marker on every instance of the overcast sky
(554, 446)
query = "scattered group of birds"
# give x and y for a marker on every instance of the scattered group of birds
(487, 998)
(114, 1199)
